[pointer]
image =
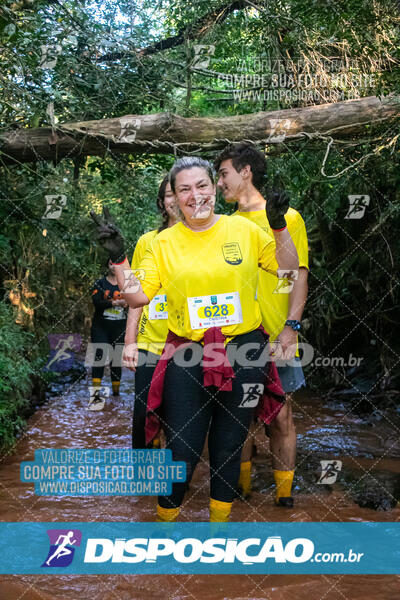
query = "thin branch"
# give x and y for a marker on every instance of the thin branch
(197, 29)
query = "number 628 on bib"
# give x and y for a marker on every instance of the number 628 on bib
(214, 310)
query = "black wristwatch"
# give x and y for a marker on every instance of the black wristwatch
(295, 325)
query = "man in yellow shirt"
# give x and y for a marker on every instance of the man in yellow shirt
(241, 168)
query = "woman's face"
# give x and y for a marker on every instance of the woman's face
(195, 193)
(170, 204)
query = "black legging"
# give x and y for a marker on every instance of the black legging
(190, 410)
(144, 372)
(108, 331)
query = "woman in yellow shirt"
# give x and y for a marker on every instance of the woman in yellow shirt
(208, 265)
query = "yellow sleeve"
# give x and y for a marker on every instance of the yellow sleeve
(266, 252)
(149, 273)
(298, 233)
(140, 251)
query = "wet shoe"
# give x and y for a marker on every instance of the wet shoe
(96, 401)
(285, 502)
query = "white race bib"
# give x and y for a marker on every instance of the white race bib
(158, 308)
(216, 310)
(116, 313)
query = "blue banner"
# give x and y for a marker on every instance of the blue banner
(102, 472)
(190, 548)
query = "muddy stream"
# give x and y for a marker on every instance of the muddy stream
(365, 491)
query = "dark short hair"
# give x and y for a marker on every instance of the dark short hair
(189, 162)
(243, 154)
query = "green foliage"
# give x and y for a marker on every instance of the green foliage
(15, 372)
(102, 72)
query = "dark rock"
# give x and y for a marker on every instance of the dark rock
(380, 491)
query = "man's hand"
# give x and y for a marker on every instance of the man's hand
(284, 347)
(276, 208)
(109, 236)
(130, 356)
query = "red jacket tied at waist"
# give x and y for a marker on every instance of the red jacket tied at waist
(219, 375)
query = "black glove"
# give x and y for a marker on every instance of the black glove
(109, 236)
(277, 207)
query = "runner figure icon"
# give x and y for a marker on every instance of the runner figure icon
(329, 471)
(62, 549)
(62, 346)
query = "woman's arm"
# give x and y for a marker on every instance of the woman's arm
(130, 286)
(111, 239)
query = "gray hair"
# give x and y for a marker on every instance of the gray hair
(188, 162)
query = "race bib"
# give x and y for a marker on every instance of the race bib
(158, 308)
(116, 313)
(215, 311)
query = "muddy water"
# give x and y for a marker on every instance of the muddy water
(323, 432)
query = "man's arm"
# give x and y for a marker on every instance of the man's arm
(298, 296)
(286, 348)
(130, 354)
(285, 253)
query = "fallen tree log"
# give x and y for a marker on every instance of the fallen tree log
(169, 133)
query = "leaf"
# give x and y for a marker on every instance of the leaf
(9, 30)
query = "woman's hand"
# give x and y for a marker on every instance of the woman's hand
(109, 236)
(130, 356)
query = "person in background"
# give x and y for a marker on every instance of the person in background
(107, 330)
(147, 327)
(241, 169)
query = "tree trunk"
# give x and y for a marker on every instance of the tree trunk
(166, 132)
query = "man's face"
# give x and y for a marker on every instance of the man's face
(230, 182)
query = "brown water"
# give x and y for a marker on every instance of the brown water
(323, 432)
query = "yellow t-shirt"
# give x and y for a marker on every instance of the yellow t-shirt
(197, 265)
(152, 333)
(274, 302)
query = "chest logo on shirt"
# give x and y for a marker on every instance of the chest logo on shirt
(232, 253)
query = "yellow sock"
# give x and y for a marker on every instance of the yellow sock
(219, 511)
(245, 478)
(115, 387)
(96, 382)
(283, 482)
(167, 515)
